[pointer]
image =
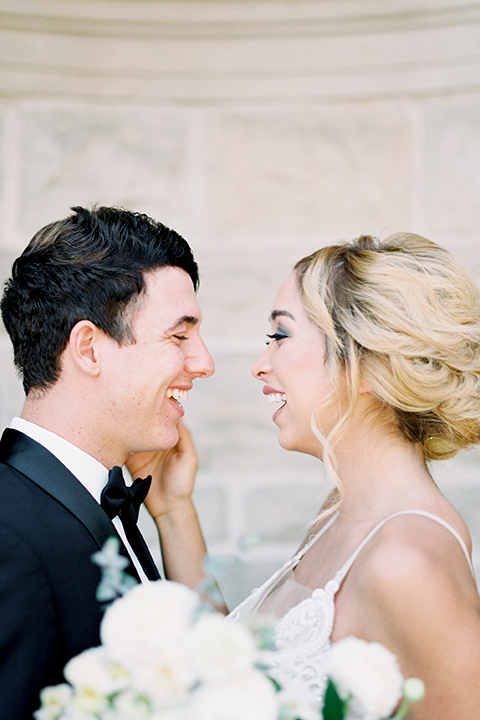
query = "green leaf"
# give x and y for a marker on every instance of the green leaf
(334, 708)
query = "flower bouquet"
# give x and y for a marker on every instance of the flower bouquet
(166, 655)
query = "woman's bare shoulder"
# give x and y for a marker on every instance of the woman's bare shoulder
(414, 559)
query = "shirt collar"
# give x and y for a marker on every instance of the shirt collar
(91, 473)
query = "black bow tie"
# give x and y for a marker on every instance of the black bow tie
(119, 499)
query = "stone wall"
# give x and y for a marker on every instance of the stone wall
(259, 130)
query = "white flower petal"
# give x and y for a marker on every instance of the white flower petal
(367, 671)
(140, 623)
(250, 695)
(93, 670)
(219, 648)
(168, 677)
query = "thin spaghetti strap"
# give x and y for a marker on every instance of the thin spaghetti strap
(448, 527)
(314, 539)
(257, 596)
(340, 575)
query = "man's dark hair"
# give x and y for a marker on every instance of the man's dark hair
(89, 266)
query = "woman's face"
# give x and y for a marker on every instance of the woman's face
(293, 370)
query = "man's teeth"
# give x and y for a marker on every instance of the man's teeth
(177, 394)
(277, 397)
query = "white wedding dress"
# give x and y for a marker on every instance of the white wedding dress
(305, 617)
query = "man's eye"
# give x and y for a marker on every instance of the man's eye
(276, 336)
(180, 337)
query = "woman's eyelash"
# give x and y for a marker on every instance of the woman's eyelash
(276, 336)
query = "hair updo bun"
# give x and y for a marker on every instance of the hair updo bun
(403, 315)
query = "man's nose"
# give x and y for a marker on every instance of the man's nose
(200, 363)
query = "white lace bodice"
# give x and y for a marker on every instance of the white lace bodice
(302, 634)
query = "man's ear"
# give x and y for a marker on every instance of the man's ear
(82, 346)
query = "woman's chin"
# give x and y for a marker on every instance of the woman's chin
(293, 445)
(283, 441)
(288, 443)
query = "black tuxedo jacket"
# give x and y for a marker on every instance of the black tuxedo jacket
(50, 526)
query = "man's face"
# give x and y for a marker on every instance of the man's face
(141, 380)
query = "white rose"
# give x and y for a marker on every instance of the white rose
(171, 713)
(297, 701)
(53, 701)
(129, 705)
(219, 648)
(93, 671)
(138, 624)
(88, 703)
(249, 695)
(167, 677)
(367, 671)
(74, 714)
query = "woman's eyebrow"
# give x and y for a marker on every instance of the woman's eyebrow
(280, 313)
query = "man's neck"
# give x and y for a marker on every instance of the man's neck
(64, 421)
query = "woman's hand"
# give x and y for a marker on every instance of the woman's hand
(169, 502)
(173, 474)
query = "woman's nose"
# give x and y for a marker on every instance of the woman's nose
(262, 365)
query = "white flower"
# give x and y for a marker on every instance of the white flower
(71, 713)
(88, 702)
(94, 672)
(54, 700)
(219, 648)
(139, 624)
(249, 695)
(369, 673)
(297, 701)
(129, 705)
(173, 713)
(167, 677)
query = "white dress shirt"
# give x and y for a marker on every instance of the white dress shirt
(88, 471)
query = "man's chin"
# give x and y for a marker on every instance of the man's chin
(168, 438)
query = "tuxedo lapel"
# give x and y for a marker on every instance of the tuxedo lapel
(41, 467)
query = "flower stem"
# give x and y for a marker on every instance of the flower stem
(402, 712)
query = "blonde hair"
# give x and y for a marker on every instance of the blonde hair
(402, 315)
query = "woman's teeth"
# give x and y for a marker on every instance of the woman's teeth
(277, 397)
(177, 394)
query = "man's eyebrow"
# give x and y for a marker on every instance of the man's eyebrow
(188, 319)
(280, 313)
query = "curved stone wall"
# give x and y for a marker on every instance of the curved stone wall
(223, 51)
(259, 130)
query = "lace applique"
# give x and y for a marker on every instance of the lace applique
(302, 637)
(302, 634)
